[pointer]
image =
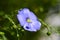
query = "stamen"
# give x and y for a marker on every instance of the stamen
(28, 20)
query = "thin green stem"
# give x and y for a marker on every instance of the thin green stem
(50, 29)
(10, 20)
(14, 25)
(46, 25)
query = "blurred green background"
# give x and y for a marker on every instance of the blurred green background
(47, 10)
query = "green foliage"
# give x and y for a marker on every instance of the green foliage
(9, 26)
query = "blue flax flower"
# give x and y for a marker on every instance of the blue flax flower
(28, 20)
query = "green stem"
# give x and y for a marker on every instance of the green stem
(46, 25)
(50, 29)
(10, 20)
(14, 25)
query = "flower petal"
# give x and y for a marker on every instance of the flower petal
(21, 19)
(21, 12)
(32, 16)
(28, 27)
(36, 25)
(27, 13)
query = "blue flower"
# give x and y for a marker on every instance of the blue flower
(28, 20)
